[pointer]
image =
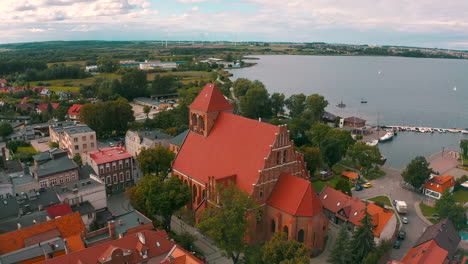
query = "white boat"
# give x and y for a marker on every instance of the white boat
(453, 130)
(464, 131)
(373, 142)
(387, 137)
(441, 130)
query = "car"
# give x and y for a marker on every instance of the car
(396, 244)
(367, 185)
(358, 187)
(111, 144)
(402, 235)
(405, 220)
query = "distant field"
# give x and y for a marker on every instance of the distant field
(82, 63)
(184, 76)
(73, 85)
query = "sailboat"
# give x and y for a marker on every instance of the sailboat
(341, 105)
(363, 101)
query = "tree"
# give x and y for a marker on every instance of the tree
(344, 186)
(464, 147)
(5, 129)
(134, 84)
(155, 161)
(365, 156)
(227, 223)
(296, 104)
(341, 253)
(241, 86)
(447, 207)
(107, 64)
(316, 105)
(60, 112)
(280, 250)
(331, 151)
(256, 103)
(362, 242)
(372, 258)
(313, 157)
(77, 159)
(107, 89)
(277, 103)
(317, 134)
(417, 172)
(163, 84)
(146, 110)
(154, 196)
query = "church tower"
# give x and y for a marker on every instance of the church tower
(205, 109)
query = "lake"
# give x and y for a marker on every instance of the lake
(399, 91)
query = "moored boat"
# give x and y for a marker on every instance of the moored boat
(341, 105)
(387, 137)
(373, 142)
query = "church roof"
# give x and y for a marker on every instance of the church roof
(211, 99)
(295, 196)
(235, 146)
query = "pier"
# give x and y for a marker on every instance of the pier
(426, 129)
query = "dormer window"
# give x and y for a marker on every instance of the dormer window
(144, 253)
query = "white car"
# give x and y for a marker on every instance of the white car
(405, 220)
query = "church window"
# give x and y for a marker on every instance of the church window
(278, 157)
(273, 226)
(286, 230)
(300, 236)
(285, 153)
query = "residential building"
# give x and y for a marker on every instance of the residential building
(114, 166)
(180, 256)
(23, 181)
(46, 92)
(153, 104)
(74, 112)
(144, 247)
(259, 158)
(72, 136)
(346, 210)
(136, 140)
(355, 122)
(176, 142)
(54, 167)
(44, 107)
(436, 185)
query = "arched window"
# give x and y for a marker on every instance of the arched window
(285, 154)
(300, 236)
(273, 226)
(286, 230)
(194, 120)
(194, 192)
(201, 122)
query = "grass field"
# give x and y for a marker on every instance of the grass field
(383, 199)
(82, 63)
(184, 76)
(320, 184)
(461, 196)
(29, 149)
(73, 85)
(426, 210)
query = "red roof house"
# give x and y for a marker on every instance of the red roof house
(23, 101)
(427, 253)
(178, 255)
(74, 111)
(43, 107)
(59, 210)
(3, 82)
(259, 158)
(350, 175)
(107, 155)
(436, 185)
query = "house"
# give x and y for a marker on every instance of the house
(351, 176)
(42, 240)
(259, 158)
(72, 136)
(3, 82)
(153, 104)
(176, 142)
(136, 140)
(437, 245)
(114, 166)
(144, 247)
(346, 210)
(355, 122)
(54, 167)
(46, 92)
(436, 185)
(74, 112)
(44, 107)
(180, 255)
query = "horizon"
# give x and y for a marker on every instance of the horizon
(397, 23)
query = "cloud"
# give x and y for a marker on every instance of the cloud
(191, 1)
(37, 30)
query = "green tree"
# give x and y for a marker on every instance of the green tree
(344, 186)
(372, 258)
(316, 105)
(241, 86)
(107, 89)
(313, 157)
(317, 134)
(154, 196)
(146, 110)
(331, 151)
(107, 64)
(227, 223)
(5, 129)
(341, 253)
(296, 104)
(365, 156)
(417, 172)
(464, 147)
(60, 112)
(155, 161)
(280, 250)
(362, 242)
(277, 103)
(163, 84)
(447, 207)
(256, 103)
(134, 84)
(77, 159)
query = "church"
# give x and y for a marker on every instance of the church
(260, 159)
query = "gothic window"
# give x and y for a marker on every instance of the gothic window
(201, 122)
(286, 230)
(273, 226)
(300, 236)
(194, 120)
(278, 157)
(285, 153)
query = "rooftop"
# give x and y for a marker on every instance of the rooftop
(53, 166)
(210, 99)
(129, 220)
(109, 155)
(444, 234)
(440, 183)
(152, 134)
(427, 253)
(75, 109)
(37, 250)
(179, 139)
(76, 186)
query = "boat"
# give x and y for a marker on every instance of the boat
(387, 137)
(341, 105)
(363, 101)
(453, 130)
(373, 142)
(464, 131)
(441, 130)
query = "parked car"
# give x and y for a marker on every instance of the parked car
(402, 235)
(367, 185)
(405, 220)
(396, 244)
(358, 187)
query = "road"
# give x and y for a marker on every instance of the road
(390, 185)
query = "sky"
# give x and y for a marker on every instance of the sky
(423, 23)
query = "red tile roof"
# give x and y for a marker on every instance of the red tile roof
(23, 101)
(3, 81)
(127, 244)
(427, 253)
(43, 107)
(350, 175)
(75, 109)
(210, 99)
(295, 196)
(440, 183)
(335, 201)
(180, 256)
(109, 155)
(236, 146)
(67, 225)
(75, 243)
(59, 210)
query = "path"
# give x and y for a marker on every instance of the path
(332, 234)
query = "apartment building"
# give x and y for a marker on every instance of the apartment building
(73, 136)
(136, 140)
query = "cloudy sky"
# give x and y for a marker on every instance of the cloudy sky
(427, 23)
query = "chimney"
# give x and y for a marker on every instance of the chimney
(111, 227)
(18, 225)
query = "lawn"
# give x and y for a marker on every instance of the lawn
(29, 149)
(383, 199)
(426, 210)
(320, 184)
(184, 76)
(73, 85)
(461, 196)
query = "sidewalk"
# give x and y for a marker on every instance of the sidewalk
(420, 214)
